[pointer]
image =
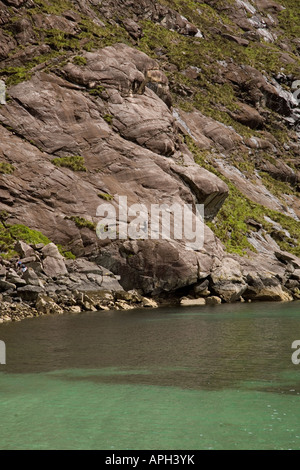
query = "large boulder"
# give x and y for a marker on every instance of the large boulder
(213, 300)
(54, 267)
(29, 293)
(230, 292)
(229, 270)
(248, 116)
(228, 281)
(52, 251)
(24, 250)
(82, 265)
(32, 278)
(161, 265)
(260, 91)
(53, 264)
(5, 285)
(124, 130)
(14, 277)
(263, 288)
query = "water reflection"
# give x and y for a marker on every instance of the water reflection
(191, 348)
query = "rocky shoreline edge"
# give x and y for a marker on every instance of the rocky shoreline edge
(42, 282)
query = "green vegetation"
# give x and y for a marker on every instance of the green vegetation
(75, 163)
(6, 168)
(289, 18)
(21, 232)
(231, 228)
(66, 254)
(89, 37)
(108, 118)
(201, 14)
(55, 7)
(207, 92)
(105, 196)
(264, 56)
(101, 36)
(9, 234)
(60, 40)
(203, 93)
(98, 91)
(276, 187)
(230, 224)
(243, 162)
(16, 75)
(79, 60)
(80, 222)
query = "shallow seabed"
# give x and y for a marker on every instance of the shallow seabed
(174, 378)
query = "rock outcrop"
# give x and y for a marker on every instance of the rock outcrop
(175, 104)
(80, 286)
(130, 157)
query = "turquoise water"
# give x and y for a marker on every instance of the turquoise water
(196, 378)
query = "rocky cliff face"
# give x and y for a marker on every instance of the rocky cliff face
(164, 102)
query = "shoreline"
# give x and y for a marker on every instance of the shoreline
(43, 282)
(84, 302)
(78, 302)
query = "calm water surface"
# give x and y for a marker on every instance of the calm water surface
(173, 378)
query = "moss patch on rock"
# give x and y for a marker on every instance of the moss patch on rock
(230, 223)
(80, 222)
(105, 196)
(75, 163)
(6, 168)
(10, 234)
